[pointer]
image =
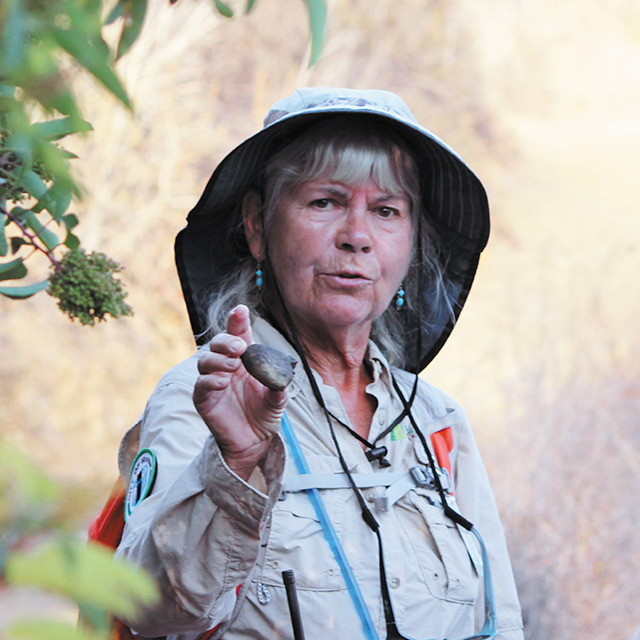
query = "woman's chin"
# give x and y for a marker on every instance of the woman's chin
(343, 315)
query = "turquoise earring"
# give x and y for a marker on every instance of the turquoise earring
(259, 280)
(400, 298)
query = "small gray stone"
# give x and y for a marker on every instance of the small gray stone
(269, 366)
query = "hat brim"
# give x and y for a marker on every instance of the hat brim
(453, 197)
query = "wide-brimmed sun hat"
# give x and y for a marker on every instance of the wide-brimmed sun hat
(453, 198)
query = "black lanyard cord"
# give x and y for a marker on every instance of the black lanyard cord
(366, 513)
(367, 516)
(392, 629)
(403, 414)
(449, 512)
(376, 452)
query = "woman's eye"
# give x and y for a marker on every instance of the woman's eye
(387, 212)
(322, 203)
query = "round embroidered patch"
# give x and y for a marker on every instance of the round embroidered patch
(143, 475)
(264, 595)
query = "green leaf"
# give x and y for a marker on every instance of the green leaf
(21, 144)
(59, 202)
(71, 241)
(47, 236)
(34, 185)
(14, 36)
(4, 245)
(132, 26)
(51, 630)
(116, 13)
(16, 243)
(250, 5)
(53, 159)
(42, 65)
(19, 214)
(7, 104)
(317, 21)
(56, 129)
(13, 270)
(87, 573)
(64, 102)
(43, 80)
(223, 9)
(18, 120)
(96, 617)
(84, 16)
(93, 60)
(101, 46)
(20, 293)
(70, 221)
(57, 199)
(7, 91)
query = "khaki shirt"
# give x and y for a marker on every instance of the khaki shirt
(217, 545)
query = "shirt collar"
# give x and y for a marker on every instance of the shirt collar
(378, 363)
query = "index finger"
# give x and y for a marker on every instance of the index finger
(238, 323)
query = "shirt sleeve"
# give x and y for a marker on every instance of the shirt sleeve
(477, 504)
(198, 533)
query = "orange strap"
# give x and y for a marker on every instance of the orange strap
(443, 445)
(120, 631)
(106, 528)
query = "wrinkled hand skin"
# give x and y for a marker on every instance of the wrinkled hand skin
(270, 366)
(241, 413)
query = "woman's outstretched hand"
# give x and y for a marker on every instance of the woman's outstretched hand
(241, 413)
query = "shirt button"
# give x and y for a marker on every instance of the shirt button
(370, 497)
(274, 564)
(394, 582)
(331, 572)
(381, 418)
(436, 576)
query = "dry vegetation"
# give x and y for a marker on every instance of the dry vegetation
(542, 99)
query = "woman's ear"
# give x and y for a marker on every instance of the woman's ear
(253, 228)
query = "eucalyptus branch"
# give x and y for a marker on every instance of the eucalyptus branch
(32, 237)
(33, 34)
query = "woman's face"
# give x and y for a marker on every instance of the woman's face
(339, 252)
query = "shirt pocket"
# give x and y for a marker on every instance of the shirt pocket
(297, 540)
(443, 557)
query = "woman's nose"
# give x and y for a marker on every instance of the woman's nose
(355, 234)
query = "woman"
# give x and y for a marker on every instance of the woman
(346, 236)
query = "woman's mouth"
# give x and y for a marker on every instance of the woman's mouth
(347, 279)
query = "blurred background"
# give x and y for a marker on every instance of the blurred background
(542, 99)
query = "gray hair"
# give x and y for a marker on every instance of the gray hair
(349, 151)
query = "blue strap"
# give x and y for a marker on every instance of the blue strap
(489, 630)
(330, 533)
(490, 627)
